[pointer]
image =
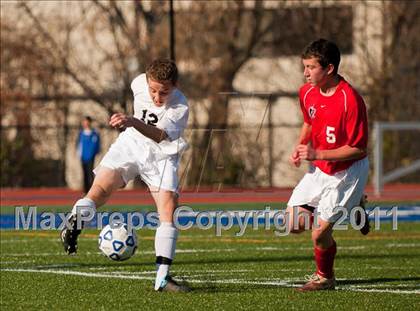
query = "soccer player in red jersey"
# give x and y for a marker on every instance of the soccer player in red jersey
(333, 138)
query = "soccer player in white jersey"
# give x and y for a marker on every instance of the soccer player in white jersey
(149, 146)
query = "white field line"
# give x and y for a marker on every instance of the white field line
(403, 245)
(152, 272)
(79, 273)
(222, 250)
(121, 269)
(280, 283)
(134, 277)
(183, 251)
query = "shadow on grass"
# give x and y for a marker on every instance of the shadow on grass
(380, 280)
(237, 288)
(282, 258)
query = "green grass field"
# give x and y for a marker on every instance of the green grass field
(257, 271)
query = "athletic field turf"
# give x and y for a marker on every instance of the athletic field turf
(257, 271)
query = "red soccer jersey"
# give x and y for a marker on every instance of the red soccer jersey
(336, 120)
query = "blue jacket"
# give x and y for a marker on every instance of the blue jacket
(88, 145)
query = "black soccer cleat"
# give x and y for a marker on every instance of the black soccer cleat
(170, 285)
(69, 236)
(366, 227)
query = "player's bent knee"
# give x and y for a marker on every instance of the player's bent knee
(316, 237)
(296, 231)
(299, 227)
(299, 220)
(296, 228)
(166, 203)
(104, 185)
(320, 236)
(109, 179)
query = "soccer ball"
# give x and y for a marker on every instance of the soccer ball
(117, 242)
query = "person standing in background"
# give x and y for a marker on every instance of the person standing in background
(88, 146)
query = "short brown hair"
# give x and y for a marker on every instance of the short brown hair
(327, 52)
(162, 70)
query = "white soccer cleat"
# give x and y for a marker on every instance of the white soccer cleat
(168, 284)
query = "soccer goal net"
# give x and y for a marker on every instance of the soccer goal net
(381, 177)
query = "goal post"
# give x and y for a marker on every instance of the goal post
(380, 177)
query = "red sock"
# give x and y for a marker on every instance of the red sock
(324, 259)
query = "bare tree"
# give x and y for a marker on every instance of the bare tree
(96, 52)
(23, 71)
(91, 54)
(394, 87)
(118, 34)
(220, 39)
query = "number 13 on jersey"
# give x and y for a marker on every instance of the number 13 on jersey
(152, 119)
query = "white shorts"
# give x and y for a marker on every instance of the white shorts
(326, 192)
(133, 157)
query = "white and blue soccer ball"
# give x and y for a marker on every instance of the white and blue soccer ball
(117, 242)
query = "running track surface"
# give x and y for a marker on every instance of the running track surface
(63, 196)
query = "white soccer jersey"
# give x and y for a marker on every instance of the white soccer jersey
(172, 117)
(134, 154)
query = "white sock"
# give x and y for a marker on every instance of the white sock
(84, 207)
(165, 244)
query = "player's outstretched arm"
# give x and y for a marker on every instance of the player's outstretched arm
(120, 120)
